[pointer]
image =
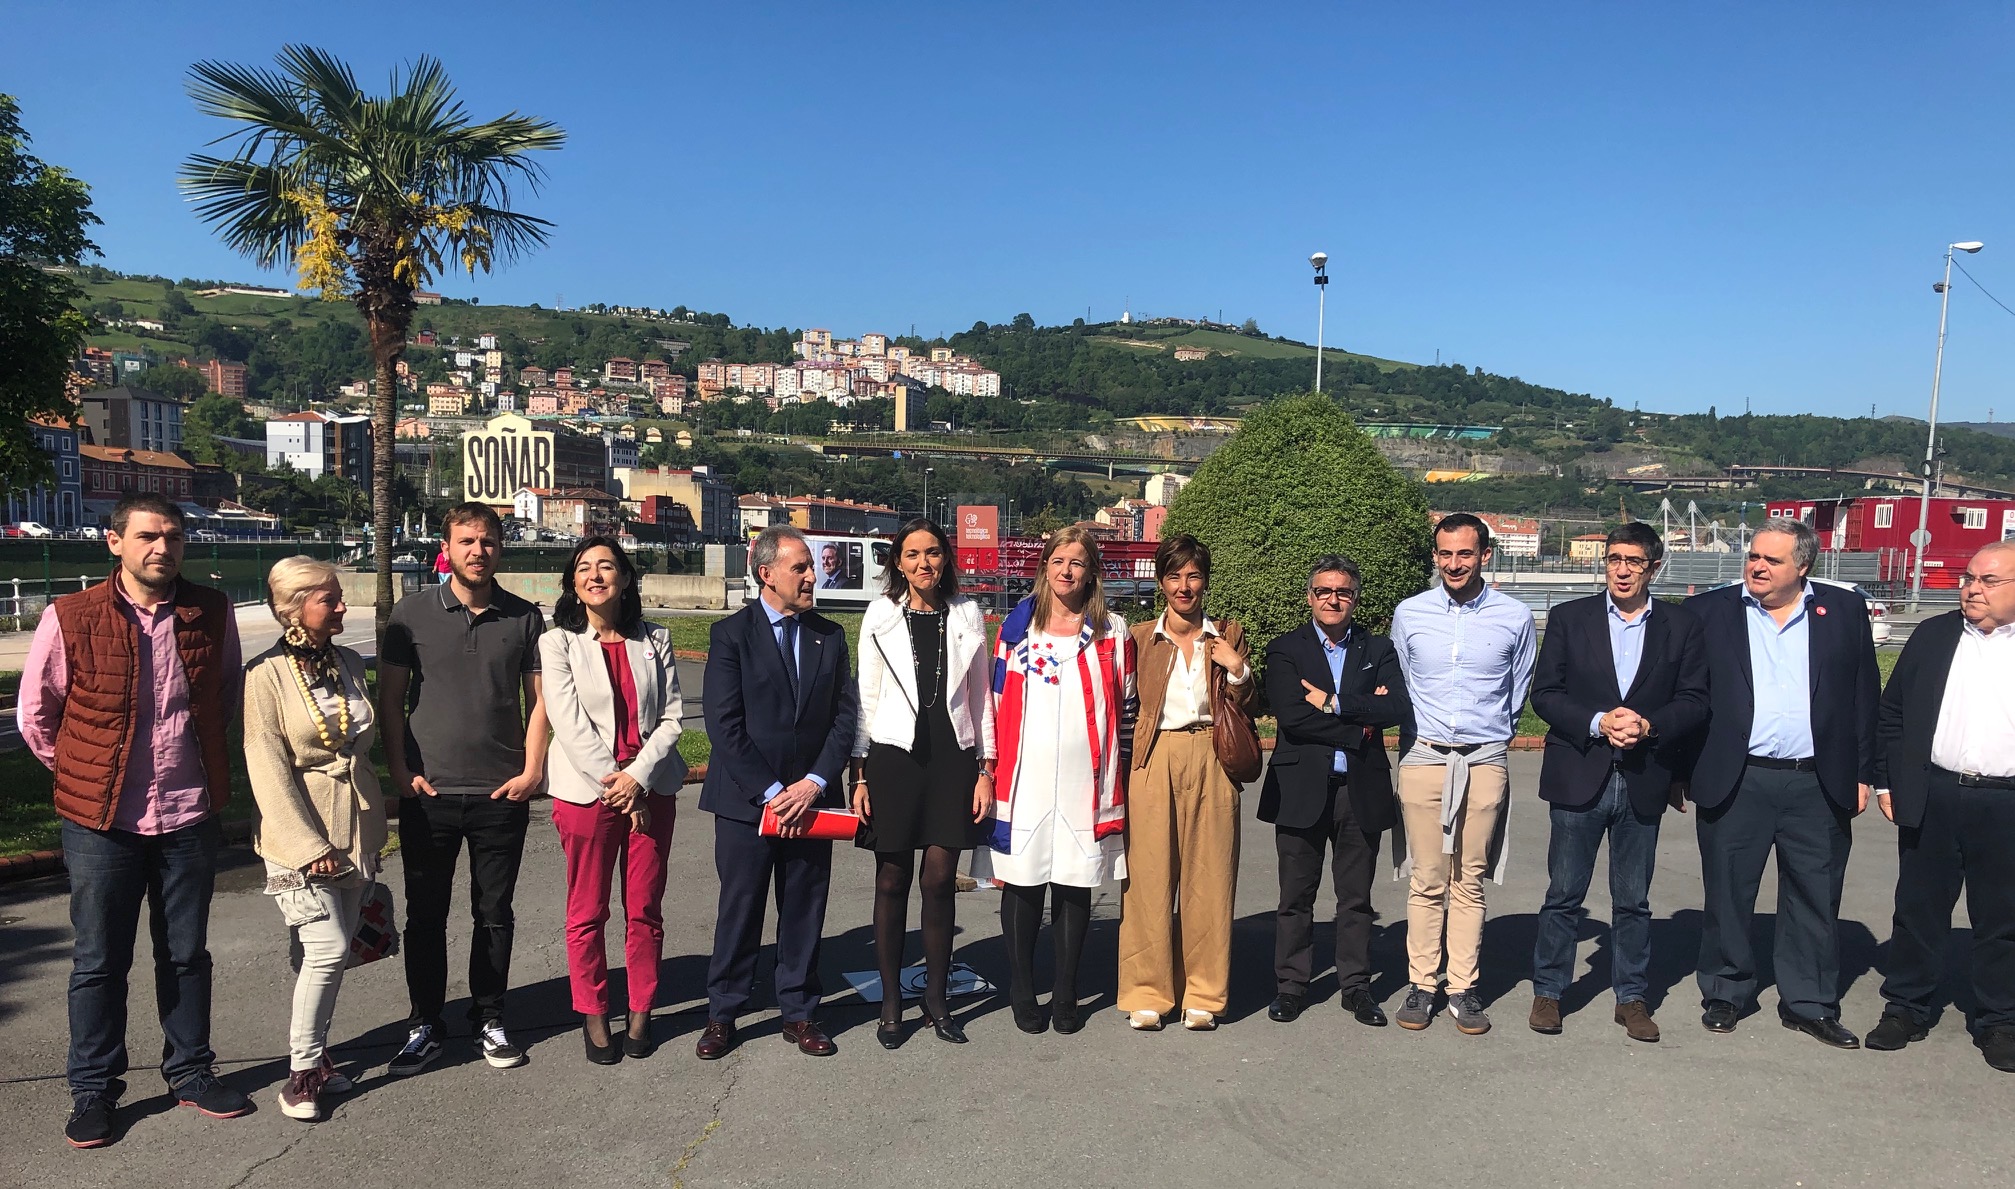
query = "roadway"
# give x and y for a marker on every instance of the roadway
(1255, 1103)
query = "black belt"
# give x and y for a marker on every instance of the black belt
(1191, 729)
(1802, 764)
(1974, 780)
(1462, 749)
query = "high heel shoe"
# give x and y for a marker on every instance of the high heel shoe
(890, 1034)
(637, 1040)
(602, 1054)
(948, 1029)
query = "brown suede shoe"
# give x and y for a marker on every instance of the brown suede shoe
(1636, 1021)
(1545, 1015)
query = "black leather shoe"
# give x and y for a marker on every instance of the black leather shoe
(947, 1029)
(1285, 1008)
(637, 1042)
(1064, 1018)
(608, 1054)
(890, 1034)
(1029, 1018)
(1997, 1044)
(1360, 1004)
(1893, 1031)
(1826, 1032)
(1719, 1016)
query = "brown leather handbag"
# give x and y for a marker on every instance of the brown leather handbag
(1232, 734)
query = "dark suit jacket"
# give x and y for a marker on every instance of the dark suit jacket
(1297, 778)
(759, 736)
(1845, 689)
(1908, 716)
(1575, 679)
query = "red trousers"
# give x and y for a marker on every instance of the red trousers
(596, 840)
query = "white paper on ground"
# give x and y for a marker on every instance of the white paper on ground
(964, 980)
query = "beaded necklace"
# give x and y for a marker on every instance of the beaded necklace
(937, 618)
(294, 666)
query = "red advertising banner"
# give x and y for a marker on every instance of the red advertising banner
(978, 527)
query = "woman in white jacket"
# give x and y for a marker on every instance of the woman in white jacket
(612, 692)
(923, 754)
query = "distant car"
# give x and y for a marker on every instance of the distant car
(31, 529)
(1878, 611)
(205, 534)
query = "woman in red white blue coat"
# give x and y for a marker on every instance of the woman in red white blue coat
(1064, 706)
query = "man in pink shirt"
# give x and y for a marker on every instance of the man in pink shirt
(128, 689)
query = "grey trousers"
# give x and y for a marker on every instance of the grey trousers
(321, 920)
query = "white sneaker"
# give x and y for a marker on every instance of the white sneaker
(1198, 1020)
(498, 1049)
(1144, 1021)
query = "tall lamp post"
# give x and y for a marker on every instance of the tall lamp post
(1321, 262)
(1921, 539)
(928, 472)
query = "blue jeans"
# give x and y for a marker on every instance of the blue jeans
(1570, 864)
(111, 873)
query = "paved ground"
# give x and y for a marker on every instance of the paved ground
(1254, 1103)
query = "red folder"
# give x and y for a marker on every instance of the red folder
(831, 825)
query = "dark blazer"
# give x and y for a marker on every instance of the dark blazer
(1297, 778)
(759, 736)
(1908, 716)
(1575, 679)
(1845, 689)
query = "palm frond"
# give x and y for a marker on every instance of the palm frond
(247, 200)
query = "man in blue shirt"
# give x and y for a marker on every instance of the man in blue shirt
(1467, 652)
(1784, 765)
(1622, 681)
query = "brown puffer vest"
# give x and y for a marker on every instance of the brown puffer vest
(96, 739)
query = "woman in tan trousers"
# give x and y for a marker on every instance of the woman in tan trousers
(1182, 808)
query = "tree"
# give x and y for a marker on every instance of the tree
(1299, 480)
(182, 383)
(367, 197)
(44, 214)
(212, 417)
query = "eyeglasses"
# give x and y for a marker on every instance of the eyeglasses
(1333, 594)
(1984, 582)
(1636, 565)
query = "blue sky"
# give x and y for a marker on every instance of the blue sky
(1668, 205)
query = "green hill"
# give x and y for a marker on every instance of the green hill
(1168, 338)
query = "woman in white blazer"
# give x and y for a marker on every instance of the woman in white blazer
(612, 692)
(923, 758)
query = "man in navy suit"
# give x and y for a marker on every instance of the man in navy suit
(1786, 762)
(1621, 681)
(1335, 688)
(781, 704)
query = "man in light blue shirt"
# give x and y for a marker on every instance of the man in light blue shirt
(1467, 653)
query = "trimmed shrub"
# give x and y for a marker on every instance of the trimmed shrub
(1299, 480)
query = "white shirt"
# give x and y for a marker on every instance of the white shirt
(1976, 718)
(1187, 702)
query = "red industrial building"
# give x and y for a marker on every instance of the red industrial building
(1883, 524)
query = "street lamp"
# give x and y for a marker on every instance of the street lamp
(928, 472)
(1921, 539)
(1320, 261)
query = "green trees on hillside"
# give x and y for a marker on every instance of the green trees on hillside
(1299, 480)
(45, 215)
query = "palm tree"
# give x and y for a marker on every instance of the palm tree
(366, 197)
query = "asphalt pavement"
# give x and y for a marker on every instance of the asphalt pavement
(1320, 1100)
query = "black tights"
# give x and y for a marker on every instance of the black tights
(1021, 916)
(893, 873)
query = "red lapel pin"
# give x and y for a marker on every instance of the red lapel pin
(1819, 610)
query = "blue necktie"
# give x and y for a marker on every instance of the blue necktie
(790, 623)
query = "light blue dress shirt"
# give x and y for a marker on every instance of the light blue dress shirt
(1780, 662)
(1626, 648)
(1335, 652)
(798, 662)
(1468, 665)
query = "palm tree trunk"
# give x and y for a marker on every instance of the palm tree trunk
(388, 342)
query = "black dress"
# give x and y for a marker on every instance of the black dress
(923, 796)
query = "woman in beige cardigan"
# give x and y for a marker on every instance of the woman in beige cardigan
(308, 728)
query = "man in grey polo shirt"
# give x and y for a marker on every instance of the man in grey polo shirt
(465, 739)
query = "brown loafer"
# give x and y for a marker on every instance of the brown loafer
(716, 1040)
(1545, 1015)
(810, 1041)
(1637, 1021)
